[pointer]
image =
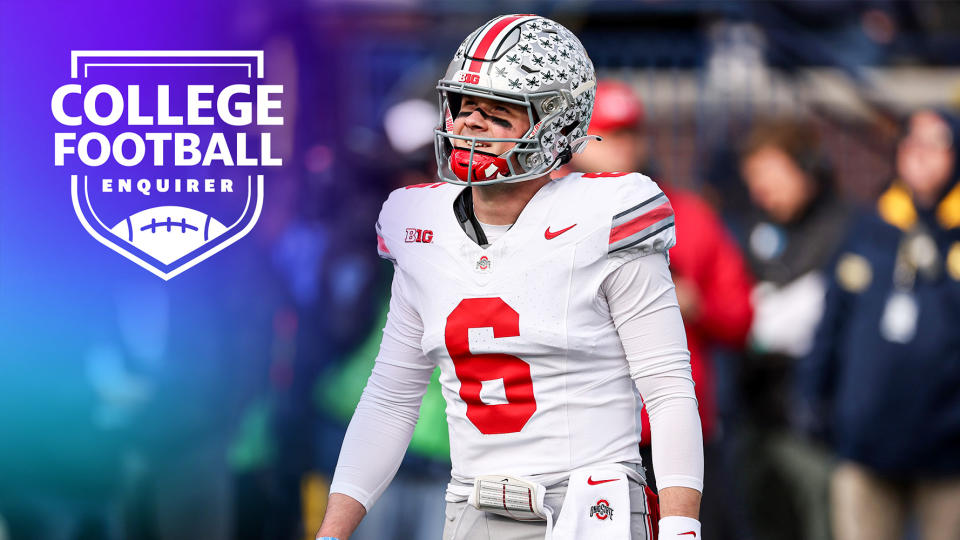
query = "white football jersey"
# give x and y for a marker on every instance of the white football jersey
(532, 368)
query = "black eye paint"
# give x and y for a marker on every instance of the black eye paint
(496, 120)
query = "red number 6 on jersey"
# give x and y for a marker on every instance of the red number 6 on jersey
(472, 369)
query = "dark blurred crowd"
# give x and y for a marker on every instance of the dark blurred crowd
(822, 312)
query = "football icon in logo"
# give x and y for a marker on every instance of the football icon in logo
(167, 233)
(167, 239)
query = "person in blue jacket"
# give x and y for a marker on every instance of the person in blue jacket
(882, 382)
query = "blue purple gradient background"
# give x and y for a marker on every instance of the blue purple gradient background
(109, 375)
(72, 311)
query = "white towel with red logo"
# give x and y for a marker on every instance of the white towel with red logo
(596, 506)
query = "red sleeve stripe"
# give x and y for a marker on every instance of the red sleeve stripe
(430, 185)
(642, 228)
(630, 213)
(382, 247)
(641, 222)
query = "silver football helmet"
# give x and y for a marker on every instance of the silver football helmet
(525, 60)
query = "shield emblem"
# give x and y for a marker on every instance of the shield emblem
(176, 177)
(167, 239)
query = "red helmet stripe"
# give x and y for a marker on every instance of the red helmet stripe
(477, 38)
(489, 37)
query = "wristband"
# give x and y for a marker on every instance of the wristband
(679, 528)
(327, 538)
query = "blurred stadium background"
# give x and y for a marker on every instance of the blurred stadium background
(221, 415)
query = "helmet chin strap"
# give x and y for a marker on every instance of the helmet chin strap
(580, 143)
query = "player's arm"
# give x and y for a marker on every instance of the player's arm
(644, 308)
(679, 501)
(344, 514)
(383, 423)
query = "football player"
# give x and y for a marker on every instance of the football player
(545, 302)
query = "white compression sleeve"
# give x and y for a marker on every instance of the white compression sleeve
(643, 305)
(383, 423)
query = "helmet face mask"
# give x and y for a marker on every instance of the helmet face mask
(535, 64)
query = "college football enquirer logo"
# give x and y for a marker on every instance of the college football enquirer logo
(166, 150)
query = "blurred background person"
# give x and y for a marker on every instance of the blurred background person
(710, 275)
(789, 233)
(884, 373)
(412, 507)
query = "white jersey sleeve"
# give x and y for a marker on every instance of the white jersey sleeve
(642, 221)
(643, 305)
(383, 423)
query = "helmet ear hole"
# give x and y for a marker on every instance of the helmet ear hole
(531, 161)
(454, 101)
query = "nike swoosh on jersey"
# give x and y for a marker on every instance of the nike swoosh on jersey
(689, 532)
(593, 482)
(551, 235)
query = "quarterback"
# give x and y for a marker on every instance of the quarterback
(549, 307)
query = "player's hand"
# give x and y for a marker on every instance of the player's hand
(679, 528)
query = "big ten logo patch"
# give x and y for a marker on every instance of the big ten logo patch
(166, 150)
(469, 78)
(423, 236)
(601, 510)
